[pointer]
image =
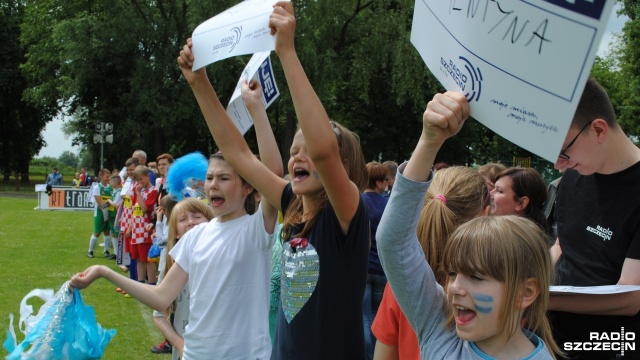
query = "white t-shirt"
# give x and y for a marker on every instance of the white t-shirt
(117, 198)
(162, 233)
(123, 173)
(126, 187)
(96, 189)
(229, 268)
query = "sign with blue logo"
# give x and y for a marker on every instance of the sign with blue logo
(258, 68)
(267, 82)
(240, 30)
(522, 64)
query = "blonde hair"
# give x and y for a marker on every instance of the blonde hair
(115, 178)
(510, 249)
(140, 171)
(455, 196)
(354, 164)
(185, 205)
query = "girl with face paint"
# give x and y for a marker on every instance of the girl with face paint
(497, 268)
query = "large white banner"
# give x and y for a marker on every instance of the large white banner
(521, 64)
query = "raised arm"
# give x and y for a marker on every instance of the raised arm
(267, 146)
(226, 135)
(410, 277)
(319, 137)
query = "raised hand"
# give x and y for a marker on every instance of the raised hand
(252, 94)
(185, 62)
(444, 117)
(283, 25)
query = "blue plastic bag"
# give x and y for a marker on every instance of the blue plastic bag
(64, 328)
(154, 252)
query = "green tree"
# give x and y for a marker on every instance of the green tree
(68, 158)
(629, 80)
(22, 121)
(104, 61)
(46, 161)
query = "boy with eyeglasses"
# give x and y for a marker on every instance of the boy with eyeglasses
(598, 219)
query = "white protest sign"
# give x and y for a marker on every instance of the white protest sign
(522, 64)
(259, 69)
(240, 30)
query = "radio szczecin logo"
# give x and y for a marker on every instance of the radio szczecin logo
(606, 341)
(468, 77)
(231, 40)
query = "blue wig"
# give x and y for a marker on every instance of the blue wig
(186, 176)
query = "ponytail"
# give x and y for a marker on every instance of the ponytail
(455, 196)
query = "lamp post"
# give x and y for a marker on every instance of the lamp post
(100, 137)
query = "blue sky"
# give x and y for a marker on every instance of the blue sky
(57, 143)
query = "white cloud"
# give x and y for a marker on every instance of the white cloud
(614, 25)
(56, 142)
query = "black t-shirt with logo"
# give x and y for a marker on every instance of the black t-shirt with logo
(322, 287)
(598, 219)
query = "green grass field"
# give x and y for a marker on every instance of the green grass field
(43, 249)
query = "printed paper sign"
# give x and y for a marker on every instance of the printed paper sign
(521, 64)
(594, 290)
(259, 69)
(240, 30)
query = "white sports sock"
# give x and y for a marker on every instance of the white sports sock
(107, 242)
(93, 242)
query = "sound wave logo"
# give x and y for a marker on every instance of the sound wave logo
(229, 41)
(475, 76)
(237, 32)
(466, 76)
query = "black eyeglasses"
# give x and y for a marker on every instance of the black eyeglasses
(563, 152)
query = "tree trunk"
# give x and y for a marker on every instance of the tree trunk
(24, 173)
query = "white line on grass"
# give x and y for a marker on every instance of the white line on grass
(147, 315)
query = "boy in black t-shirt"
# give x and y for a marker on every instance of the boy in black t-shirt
(598, 220)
